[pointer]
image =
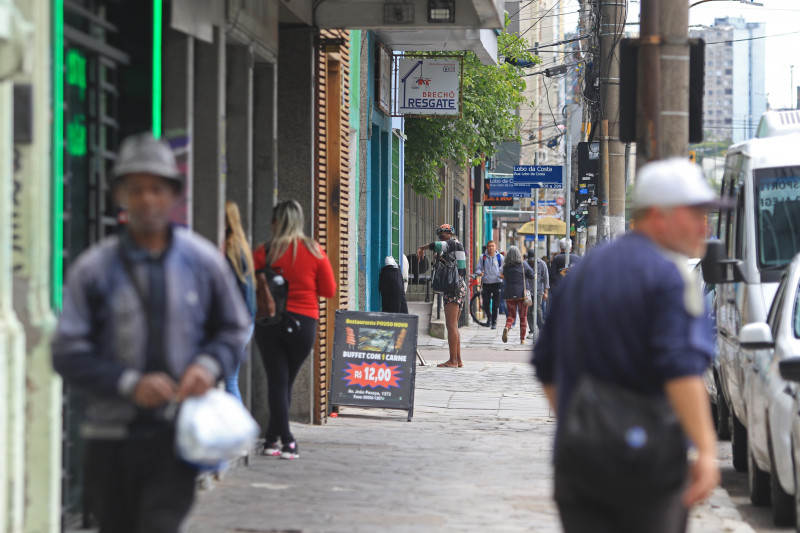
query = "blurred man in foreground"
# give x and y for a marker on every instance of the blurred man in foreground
(629, 318)
(151, 317)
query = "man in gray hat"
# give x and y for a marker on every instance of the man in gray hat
(151, 317)
(630, 317)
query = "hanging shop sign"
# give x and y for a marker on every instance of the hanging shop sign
(429, 85)
(374, 360)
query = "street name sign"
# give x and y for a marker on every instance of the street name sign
(539, 176)
(506, 187)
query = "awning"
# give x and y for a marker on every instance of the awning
(481, 41)
(547, 226)
(405, 15)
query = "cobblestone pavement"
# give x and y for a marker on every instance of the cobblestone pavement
(476, 457)
(478, 337)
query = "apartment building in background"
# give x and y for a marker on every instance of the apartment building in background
(734, 94)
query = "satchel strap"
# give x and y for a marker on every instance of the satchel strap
(144, 300)
(579, 281)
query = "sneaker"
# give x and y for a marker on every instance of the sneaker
(494, 326)
(290, 451)
(522, 341)
(505, 334)
(271, 449)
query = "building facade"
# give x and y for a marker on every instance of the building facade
(735, 95)
(261, 102)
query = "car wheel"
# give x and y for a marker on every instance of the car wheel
(738, 444)
(723, 416)
(758, 482)
(782, 504)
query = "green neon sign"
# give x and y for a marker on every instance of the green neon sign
(76, 71)
(77, 136)
(157, 16)
(57, 147)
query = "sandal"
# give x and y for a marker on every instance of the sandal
(445, 365)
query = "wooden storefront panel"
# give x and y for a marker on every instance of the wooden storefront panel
(332, 207)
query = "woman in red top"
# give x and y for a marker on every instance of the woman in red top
(284, 347)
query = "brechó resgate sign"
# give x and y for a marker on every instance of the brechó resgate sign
(429, 86)
(374, 357)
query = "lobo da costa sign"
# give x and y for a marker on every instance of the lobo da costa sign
(429, 86)
(374, 360)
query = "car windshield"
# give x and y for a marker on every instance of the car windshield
(778, 205)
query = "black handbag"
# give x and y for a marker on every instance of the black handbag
(613, 440)
(445, 277)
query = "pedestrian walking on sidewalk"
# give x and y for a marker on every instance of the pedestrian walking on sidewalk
(558, 265)
(624, 347)
(516, 272)
(488, 268)
(546, 260)
(151, 316)
(286, 345)
(448, 248)
(542, 290)
(240, 261)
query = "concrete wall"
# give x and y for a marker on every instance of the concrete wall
(296, 172)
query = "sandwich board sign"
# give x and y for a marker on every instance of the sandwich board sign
(374, 360)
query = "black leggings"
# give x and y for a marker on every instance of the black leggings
(283, 353)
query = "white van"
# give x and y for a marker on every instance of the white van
(757, 239)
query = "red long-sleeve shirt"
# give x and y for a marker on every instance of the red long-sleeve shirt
(309, 278)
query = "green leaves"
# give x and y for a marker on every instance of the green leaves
(491, 95)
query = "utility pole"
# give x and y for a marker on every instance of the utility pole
(662, 128)
(611, 198)
(648, 100)
(674, 19)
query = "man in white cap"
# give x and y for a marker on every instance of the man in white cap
(151, 317)
(558, 266)
(628, 317)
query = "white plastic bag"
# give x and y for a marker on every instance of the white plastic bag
(213, 428)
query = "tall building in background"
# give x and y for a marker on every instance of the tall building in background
(735, 96)
(541, 24)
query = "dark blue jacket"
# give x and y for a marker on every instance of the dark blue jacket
(638, 318)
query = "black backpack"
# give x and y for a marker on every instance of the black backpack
(270, 284)
(445, 277)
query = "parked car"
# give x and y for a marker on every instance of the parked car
(770, 400)
(756, 241)
(790, 371)
(719, 409)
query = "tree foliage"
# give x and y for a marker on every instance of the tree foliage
(491, 95)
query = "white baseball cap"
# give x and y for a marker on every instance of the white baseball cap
(671, 183)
